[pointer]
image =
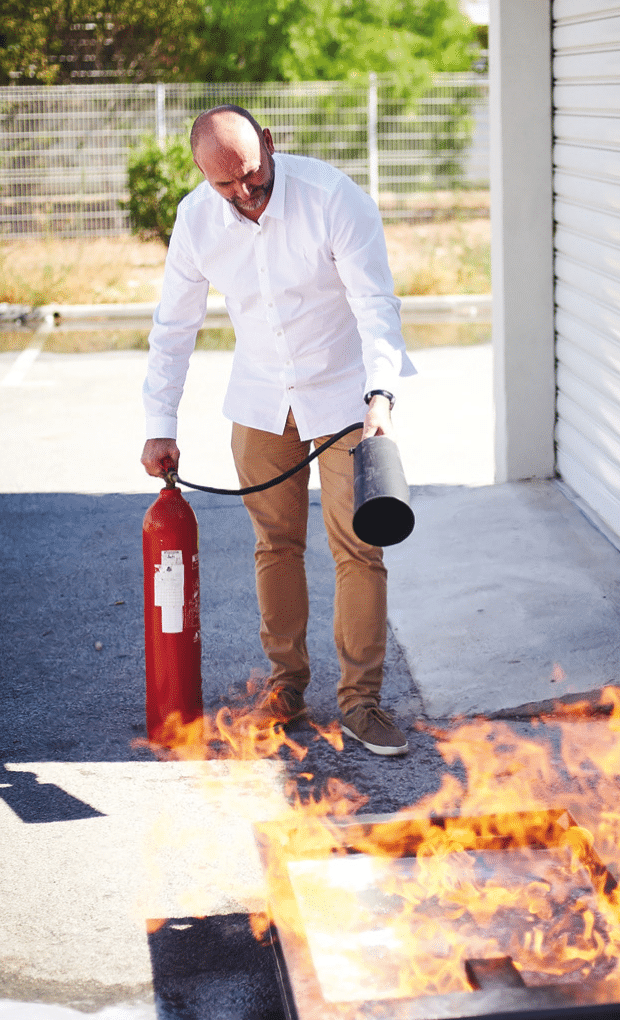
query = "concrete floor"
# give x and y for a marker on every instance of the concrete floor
(491, 565)
(520, 599)
(503, 596)
(75, 423)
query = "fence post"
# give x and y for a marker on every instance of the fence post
(160, 112)
(373, 148)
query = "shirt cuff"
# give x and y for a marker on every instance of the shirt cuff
(161, 428)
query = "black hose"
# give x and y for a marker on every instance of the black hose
(173, 476)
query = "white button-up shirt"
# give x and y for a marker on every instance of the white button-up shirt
(310, 295)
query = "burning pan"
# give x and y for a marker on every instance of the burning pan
(392, 917)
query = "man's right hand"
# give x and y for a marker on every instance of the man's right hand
(160, 456)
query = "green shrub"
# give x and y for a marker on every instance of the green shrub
(158, 178)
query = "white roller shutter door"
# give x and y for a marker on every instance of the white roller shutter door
(586, 40)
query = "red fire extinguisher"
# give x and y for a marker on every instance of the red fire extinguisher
(171, 611)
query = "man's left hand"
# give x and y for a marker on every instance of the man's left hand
(378, 421)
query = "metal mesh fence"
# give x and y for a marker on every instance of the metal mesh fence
(64, 149)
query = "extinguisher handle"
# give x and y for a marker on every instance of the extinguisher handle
(170, 475)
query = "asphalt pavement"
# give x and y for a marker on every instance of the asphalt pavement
(127, 882)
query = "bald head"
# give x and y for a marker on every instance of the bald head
(235, 155)
(216, 119)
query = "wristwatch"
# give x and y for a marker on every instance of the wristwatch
(380, 393)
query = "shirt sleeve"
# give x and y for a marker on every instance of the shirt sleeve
(360, 255)
(176, 321)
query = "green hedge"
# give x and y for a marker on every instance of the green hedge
(158, 178)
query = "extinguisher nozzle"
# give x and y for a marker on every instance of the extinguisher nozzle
(382, 515)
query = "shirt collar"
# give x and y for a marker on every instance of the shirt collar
(275, 206)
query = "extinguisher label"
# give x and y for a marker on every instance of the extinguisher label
(169, 581)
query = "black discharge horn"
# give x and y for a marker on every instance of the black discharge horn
(382, 514)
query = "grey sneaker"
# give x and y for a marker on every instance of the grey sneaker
(280, 704)
(375, 730)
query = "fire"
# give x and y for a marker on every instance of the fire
(232, 733)
(501, 861)
(488, 883)
(410, 901)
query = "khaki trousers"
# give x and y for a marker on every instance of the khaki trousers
(279, 516)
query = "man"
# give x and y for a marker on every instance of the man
(299, 253)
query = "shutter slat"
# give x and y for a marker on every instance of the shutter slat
(597, 380)
(592, 432)
(602, 257)
(590, 160)
(605, 503)
(578, 35)
(599, 416)
(603, 471)
(588, 366)
(573, 128)
(597, 224)
(587, 96)
(606, 349)
(603, 289)
(591, 64)
(583, 9)
(602, 194)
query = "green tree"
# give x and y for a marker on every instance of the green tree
(410, 39)
(245, 40)
(63, 41)
(333, 40)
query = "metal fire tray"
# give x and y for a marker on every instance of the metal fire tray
(347, 948)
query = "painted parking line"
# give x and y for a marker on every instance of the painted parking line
(16, 376)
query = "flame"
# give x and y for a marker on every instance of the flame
(490, 881)
(491, 864)
(330, 733)
(522, 885)
(232, 733)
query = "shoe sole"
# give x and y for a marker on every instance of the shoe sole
(376, 748)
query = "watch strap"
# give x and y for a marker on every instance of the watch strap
(380, 393)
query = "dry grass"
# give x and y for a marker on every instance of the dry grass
(450, 257)
(104, 270)
(448, 203)
(417, 336)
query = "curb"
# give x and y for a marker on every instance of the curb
(46, 318)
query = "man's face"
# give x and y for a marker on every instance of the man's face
(238, 164)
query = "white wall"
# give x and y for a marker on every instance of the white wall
(522, 237)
